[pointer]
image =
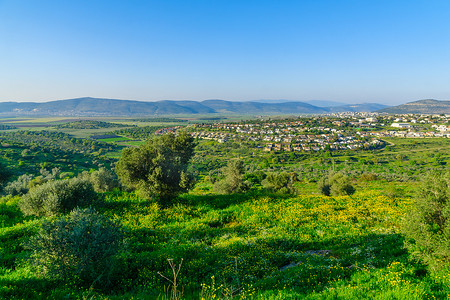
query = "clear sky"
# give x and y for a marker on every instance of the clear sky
(390, 52)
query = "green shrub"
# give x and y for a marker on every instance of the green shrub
(57, 196)
(45, 176)
(102, 180)
(79, 248)
(233, 182)
(335, 184)
(4, 174)
(280, 183)
(428, 224)
(20, 186)
(255, 177)
(368, 177)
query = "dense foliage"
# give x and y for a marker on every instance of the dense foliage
(144, 132)
(21, 158)
(280, 183)
(335, 184)
(57, 196)
(20, 186)
(91, 124)
(102, 180)
(7, 127)
(55, 140)
(233, 179)
(4, 173)
(80, 247)
(159, 167)
(428, 224)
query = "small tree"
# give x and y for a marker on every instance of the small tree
(20, 186)
(79, 247)
(159, 167)
(428, 224)
(335, 184)
(57, 196)
(281, 183)
(255, 177)
(233, 181)
(102, 180)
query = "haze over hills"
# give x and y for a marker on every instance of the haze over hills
(319, 103)
(112, 107)
(428, 106)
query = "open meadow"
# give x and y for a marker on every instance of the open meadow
(282, 226)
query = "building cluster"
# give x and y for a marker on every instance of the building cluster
(167, 130)
(285, 137)
(410, 134)
(345, 132)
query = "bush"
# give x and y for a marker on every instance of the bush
(255, 177)
(4, 174)
(102, 180)
(335, 184)
(79, 248)
(233, 182)
(368, 177)
(428, 224)
(280, 183)
(20, 186)
(57, 196)
(45, 176)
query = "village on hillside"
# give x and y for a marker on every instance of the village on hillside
(343, 131)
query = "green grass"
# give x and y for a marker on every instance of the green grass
(112, 140)
(133, 143)
(245, 242)
(264, 246)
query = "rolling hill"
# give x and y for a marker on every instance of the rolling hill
(112, 107)
(428, 106)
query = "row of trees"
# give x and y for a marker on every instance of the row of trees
(91, 124)
(144, 132)
(56, 140)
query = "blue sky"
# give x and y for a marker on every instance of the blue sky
(349, 51)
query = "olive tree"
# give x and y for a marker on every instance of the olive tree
(78, 248)
(102, 180)
(335, 184)
(280, 183)
(233, 182)
(20, 186)
(57, 196)
(158, 168)
(427, 226)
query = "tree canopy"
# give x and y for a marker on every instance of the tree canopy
(427, 226)
(233, 182)
(335, 184)
(158, 168)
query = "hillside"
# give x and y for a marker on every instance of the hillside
(428, 106)
(113, 107)
(364, 107)
(318, 248)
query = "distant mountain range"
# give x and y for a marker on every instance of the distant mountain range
(428, 106)
(319, 103)
(113, 107)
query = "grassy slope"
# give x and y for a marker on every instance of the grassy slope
(245, 241)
